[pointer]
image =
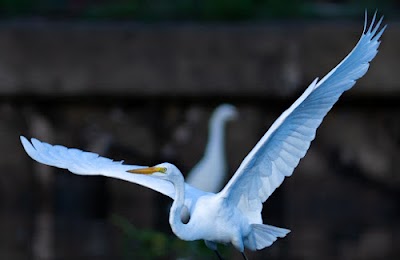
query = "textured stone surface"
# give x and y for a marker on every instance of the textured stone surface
(130, 59)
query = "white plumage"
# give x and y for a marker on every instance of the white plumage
(210, 172)
(234, 214)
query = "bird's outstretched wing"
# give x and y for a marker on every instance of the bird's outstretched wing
(87, 163)
(279, 151)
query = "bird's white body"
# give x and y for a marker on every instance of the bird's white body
(210, 172)
(213, 220)
(218, 222)
(234, 214)
(213, 217)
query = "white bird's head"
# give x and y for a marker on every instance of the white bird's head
(162, 170)
(225, 112)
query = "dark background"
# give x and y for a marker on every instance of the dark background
(138, 80)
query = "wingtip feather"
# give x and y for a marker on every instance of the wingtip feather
(24, 141)
(372, 22)
(379, 34)
(365, 20)
(28, 147)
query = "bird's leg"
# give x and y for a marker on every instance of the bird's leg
(244, 256)
(218, 254)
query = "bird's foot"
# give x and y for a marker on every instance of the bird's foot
(218, 255)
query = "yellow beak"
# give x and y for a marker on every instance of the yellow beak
(149, 170)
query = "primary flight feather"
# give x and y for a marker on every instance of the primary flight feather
(234, 214)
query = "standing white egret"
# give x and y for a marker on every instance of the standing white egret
(209, 173)
(234, 214)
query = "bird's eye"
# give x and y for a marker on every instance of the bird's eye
(163, 170)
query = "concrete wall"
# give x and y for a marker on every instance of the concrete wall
(186, 60)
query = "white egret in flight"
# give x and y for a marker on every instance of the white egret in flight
(209, 173)
(234, 214)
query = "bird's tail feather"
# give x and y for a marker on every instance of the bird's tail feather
(263, 236)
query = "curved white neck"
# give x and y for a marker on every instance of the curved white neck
(216, 140)
(183, 231)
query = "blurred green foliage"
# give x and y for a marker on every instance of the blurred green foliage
(149, 244)
(196, 10)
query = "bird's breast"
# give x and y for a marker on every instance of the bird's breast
(215, 220)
